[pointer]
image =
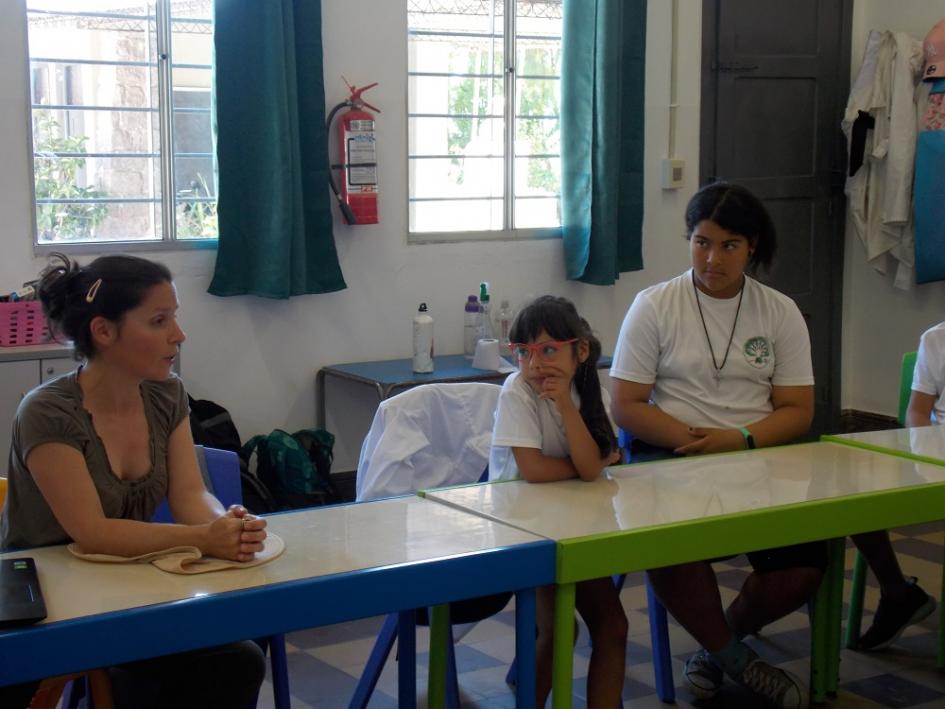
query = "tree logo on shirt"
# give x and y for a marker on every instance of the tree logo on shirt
(757, 352)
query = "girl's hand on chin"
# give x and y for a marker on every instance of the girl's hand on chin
(557, 389)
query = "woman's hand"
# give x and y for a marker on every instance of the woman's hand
(236, 536)
(712, 440)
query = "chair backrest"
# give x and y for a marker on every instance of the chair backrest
(905, 384)
(624, 438)
(428, 436)
(221, 471)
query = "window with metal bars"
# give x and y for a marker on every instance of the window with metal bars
(483, 101)
(121, 122)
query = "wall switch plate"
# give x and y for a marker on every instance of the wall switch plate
(672, 173)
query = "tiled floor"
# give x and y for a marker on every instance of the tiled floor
(326, 662)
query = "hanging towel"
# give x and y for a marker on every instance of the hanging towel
(930, 195)
(186, 559)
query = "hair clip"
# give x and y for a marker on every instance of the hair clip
(93, 291)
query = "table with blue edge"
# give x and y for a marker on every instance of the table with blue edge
(387, 376)
(341, 563)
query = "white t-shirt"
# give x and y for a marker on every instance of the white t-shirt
(929, 375)
(523, 420)
(662, 342)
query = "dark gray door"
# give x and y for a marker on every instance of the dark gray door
(775, 79)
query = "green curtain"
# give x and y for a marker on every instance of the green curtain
(602, 82)
(274, 210)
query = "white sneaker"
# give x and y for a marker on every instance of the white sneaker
(778, 686)
(703, 677)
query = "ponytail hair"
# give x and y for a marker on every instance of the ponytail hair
(73, 295)
(560, 320)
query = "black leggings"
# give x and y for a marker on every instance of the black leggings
(227, 676)
(223, 676)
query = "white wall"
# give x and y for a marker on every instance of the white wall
(879, 321)
(259, 357)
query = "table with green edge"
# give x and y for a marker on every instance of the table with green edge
(925, 444)
(650, 515)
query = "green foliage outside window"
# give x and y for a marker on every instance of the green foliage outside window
(197, 220)
(470, 97)
(538, 97)
(57, 178)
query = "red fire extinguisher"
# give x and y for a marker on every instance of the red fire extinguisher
(357, 148)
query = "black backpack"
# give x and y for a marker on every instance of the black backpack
(213, 427)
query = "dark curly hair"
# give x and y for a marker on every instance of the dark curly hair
(71, 298)
(559, 318)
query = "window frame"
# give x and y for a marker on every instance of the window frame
(508, 232)
(163, 67)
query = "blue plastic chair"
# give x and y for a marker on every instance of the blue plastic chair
(221, 470)
(422, 410)
(403, 625)
(221, 473)
(659, 631)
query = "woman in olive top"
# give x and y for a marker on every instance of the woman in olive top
(95, 451)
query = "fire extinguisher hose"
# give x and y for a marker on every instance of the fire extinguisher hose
(346, 211)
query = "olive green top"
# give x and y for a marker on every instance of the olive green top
(53, 413)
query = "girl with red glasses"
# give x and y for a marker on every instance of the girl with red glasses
(552, 423)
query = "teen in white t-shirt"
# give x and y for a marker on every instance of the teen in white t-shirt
(552, 424)
(663, 343)
(927, 402)
(714, 361)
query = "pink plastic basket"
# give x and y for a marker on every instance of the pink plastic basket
(22, 323)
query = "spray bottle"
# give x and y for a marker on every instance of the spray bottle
(486, 331)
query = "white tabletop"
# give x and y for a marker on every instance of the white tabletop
(922, 442)
(645, 495)
(319, 542)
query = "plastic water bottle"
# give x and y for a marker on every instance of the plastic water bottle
(422, 341)
(503, 322)
(471, 320)
(486, 330)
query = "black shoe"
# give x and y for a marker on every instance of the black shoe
(892, 617)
